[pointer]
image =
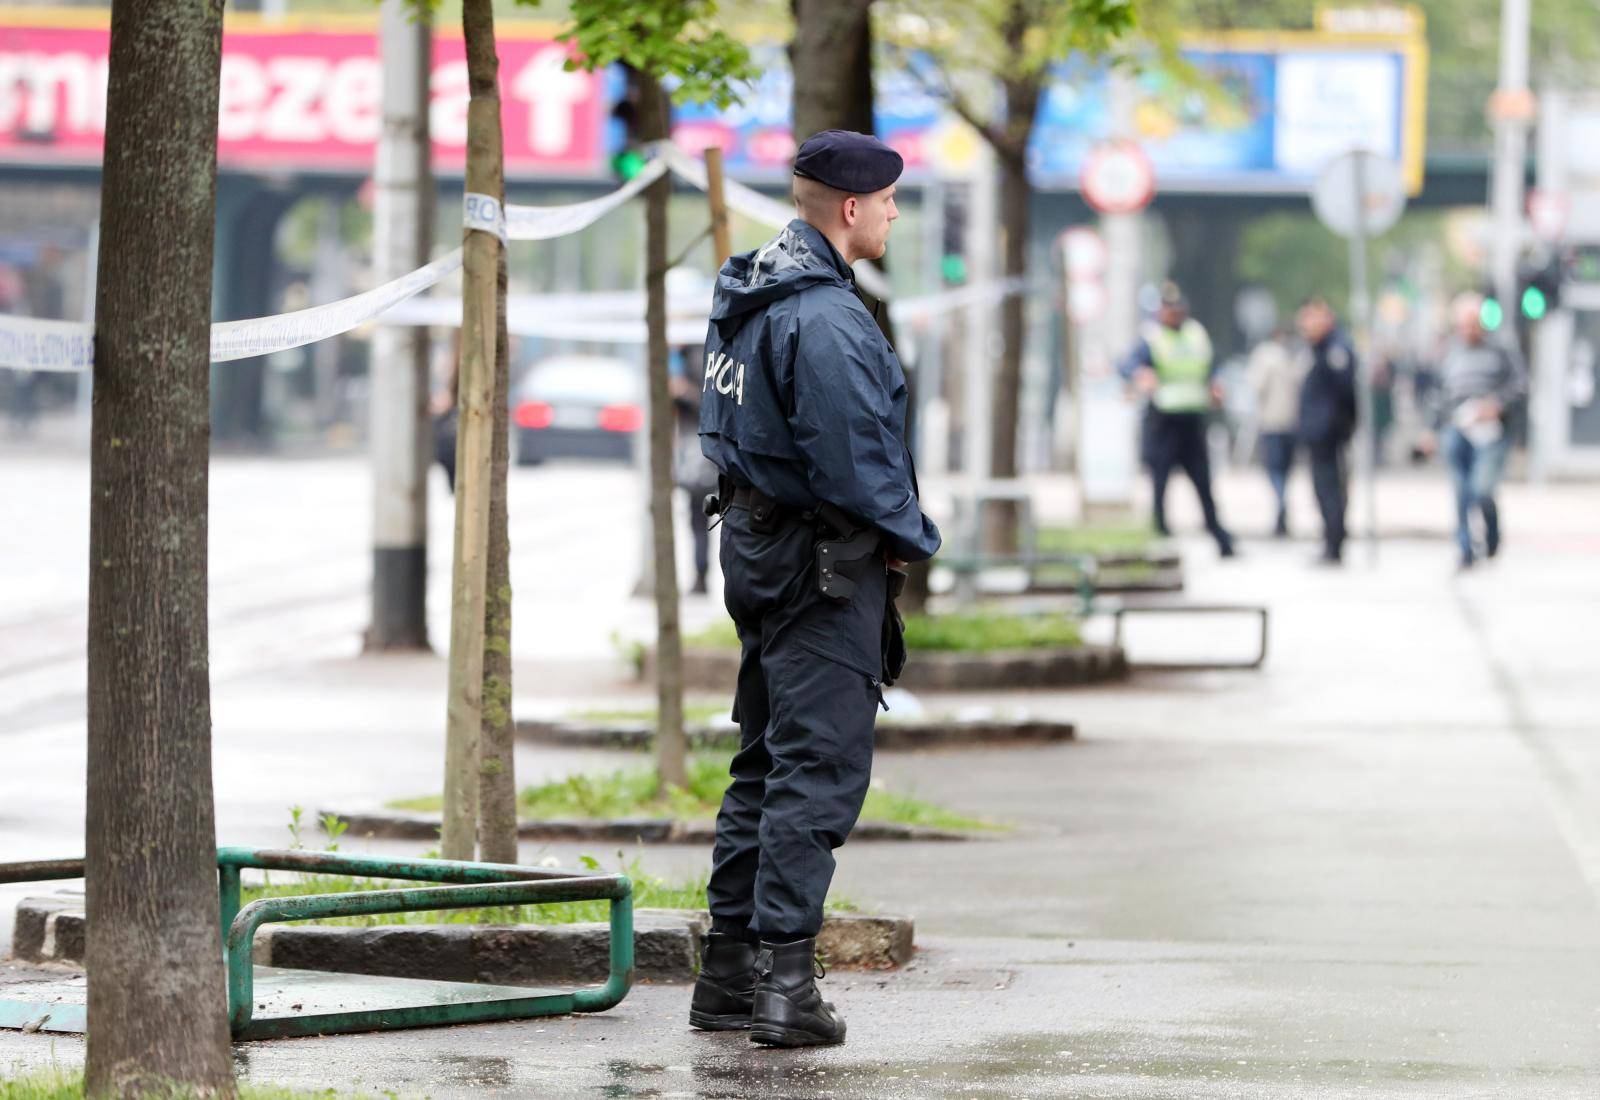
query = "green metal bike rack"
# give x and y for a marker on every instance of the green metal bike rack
(269, 1003)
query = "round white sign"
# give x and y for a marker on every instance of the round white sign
(1085, 253)
(1359, 190)
(1118, 178)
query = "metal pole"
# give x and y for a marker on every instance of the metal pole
(401, 430)
(982, 228)
(1510, 157)
(1359, 315)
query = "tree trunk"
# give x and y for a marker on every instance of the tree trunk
(1014, 194)
(831, 57)
(497, 781)
(157, 1001)
(480, 323)
(671, 747)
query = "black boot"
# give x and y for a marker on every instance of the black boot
(789, 1011)
(727, 981)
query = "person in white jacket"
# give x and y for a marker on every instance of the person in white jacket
(1275, 376)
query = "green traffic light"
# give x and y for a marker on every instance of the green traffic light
(1534, 303)
(1491, 315)
(954, 268)
(627, 164)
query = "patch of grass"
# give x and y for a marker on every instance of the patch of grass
(719, 635)
(953, 632)
(988, 632)
(1099, 539)
(695, 713)
(60, 1084)
(634, 792)
(649, 892)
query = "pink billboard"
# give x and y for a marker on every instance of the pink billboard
(300, 97)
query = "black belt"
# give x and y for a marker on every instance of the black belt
(766, 514)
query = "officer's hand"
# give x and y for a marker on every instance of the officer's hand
(1489, 408)
(1145, 380)
(1217, 395)
(895, 563)
(1427, 444)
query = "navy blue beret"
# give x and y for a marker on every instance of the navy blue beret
(857, 164)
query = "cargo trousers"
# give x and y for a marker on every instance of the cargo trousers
(809, 687)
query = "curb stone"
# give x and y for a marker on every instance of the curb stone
(907, 735)
(403, 825)
(666, 946)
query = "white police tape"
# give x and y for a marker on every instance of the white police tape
(30, 344)
(265, 335)
(540, 223)
(485, 212)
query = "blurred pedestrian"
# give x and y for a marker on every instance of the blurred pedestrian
(1275, 377)
(1480, 383)
(446, 418)
(692, 471)
(1173, 368)
(1327, 416)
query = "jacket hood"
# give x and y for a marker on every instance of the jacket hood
(797, 258)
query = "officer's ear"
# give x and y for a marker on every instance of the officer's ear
(848, 209)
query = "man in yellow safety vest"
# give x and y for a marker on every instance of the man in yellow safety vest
(1172, 368)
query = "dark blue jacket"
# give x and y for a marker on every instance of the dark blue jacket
(802, 396)
(1328, 395)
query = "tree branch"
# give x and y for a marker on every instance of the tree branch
(942, 89)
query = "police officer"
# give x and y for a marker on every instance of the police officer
(803, 412)
(1172, 366)
(1327, 416)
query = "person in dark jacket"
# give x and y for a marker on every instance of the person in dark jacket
(1173, 367)
(803, 412)
(1327, 417)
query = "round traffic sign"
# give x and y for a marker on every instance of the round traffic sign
(1361, 191)
(1118, 177)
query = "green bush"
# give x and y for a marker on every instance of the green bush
(952, 632)
(635, 792)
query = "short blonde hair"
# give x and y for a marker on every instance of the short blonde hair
(813, 198)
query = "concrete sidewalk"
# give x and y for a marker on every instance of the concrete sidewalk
(1371, 869)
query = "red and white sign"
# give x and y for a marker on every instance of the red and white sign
(302, 99)
(1548, 212)
(1118, 178)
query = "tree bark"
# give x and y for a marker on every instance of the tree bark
(480, 322)
(831, 58)
(1014, 226)
(671, 747)
(497, 784)
(157, 1001)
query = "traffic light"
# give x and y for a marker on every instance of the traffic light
(953, 238)
(1540, 288)
(627, 157)
(1491, 314)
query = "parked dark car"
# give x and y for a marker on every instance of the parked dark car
(578, 406)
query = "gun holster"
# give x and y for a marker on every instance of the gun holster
(841, 561)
